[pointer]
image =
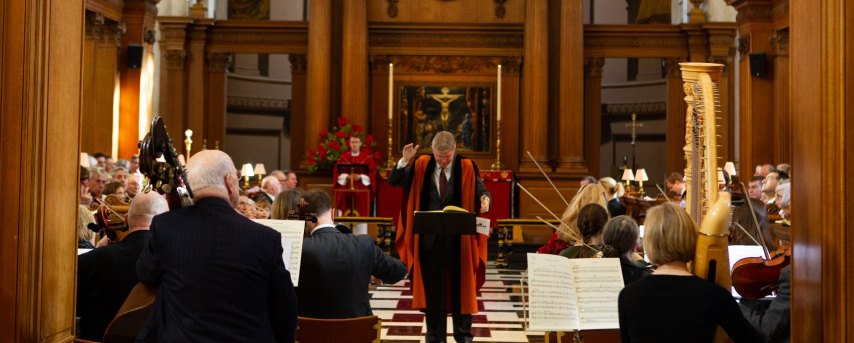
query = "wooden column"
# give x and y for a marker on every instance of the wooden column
(822, 60)
(318, 72)
(722, 51)
(216, 105)
(298, 114)
(99, 70)
(354, 62)
(675, 117)
(40, 102)
(173, 101)
(535, 85)
(782, 100)
(196, 106)
(138, 16)
(592, 112)
(575, 155)
(756, 95)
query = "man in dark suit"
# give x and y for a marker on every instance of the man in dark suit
(220, 276)
(445, 270)
(336, 268)
(106, 275)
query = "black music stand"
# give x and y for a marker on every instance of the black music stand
(444, 223)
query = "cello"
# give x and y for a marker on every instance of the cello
(757, 277)
(165, 174)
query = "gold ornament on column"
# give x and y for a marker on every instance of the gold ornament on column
(188, 141)
(390, 163)
(497, 165)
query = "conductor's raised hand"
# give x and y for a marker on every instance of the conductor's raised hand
(409, 152)
(484, 203)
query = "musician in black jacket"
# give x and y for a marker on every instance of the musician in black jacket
(336, 267)
(106, 275)
(220, 276)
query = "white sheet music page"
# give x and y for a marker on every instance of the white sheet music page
(598, 282)
(482, 225)
(292, 233)
(551, 298)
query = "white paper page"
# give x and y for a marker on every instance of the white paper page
(551, 298)
(482, 225)
(737, 252)
(292, 232)
(82, 251)
(598, 282)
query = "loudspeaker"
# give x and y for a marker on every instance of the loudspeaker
(134, 56)
(758, 67)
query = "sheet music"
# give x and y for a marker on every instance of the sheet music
(552, 300)
(482, 225)
(737, 252)
(292, 233)
(598, 282)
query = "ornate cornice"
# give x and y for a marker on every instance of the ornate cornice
(218, 62)
(753, 13)
(780, 42)
(593, 67)
(500, 11)
(446, 64)
(441, 38)
(257, 36)
(392, 8)
(175, 59)
(298, 63)
(780, 10)
(640, 108)
(743, 47)
(95, 25)
(249, 104)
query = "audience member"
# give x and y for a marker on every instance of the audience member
(766, 169)
(688, 309)
(586, 181)
(613, 190)
(784, 195)
(769, 188)
(754, 188)
(590, 222)
(85, 196)
(620, 237)
(109, 164)
(106, 275)
(120, 175)
(282, 177)
(97, 182)
(286, 203)
(291, 180)
(270, 188)
(336, 268)
(100, 158)
(133, 166)
(590, 194)
(115, 188)
(262, 210)
(785, 168)
(133, 186)
(220, 276)
(246, 207)
(85, 236)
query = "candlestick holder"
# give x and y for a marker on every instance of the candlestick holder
(497, 165)
(390, 163)
(188, 141)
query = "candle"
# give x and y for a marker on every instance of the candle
(499, 94)
(390, 89)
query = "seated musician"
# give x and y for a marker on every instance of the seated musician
(106, 275)
(85, 236)
(741, 217)
(336, 268)
(613, 191)
(591, 219)
(676, 185)
(685, 307)
(620, 237)
(590, 194)
(772, 318)
(285, 204)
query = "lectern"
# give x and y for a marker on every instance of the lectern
(442, 223)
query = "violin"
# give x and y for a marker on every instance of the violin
(302, 212)
(757, 277)
(110, 217)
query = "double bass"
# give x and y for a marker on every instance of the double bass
(165, 174)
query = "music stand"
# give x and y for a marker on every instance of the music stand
(353, 169)
(444, 223)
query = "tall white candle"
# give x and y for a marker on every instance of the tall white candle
(498, 94)
(390, 89)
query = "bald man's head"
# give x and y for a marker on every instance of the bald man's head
(211, 173)
(144, 207)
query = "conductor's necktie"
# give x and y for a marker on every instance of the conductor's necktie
(443, 184)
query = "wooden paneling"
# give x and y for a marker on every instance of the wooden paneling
(467, 11)
(574, 154)
(40, 103)
(822, 51)
(254, 37)
(446, 39)
(319, 73)
(354, 82)
(109, 8)
(535, 89)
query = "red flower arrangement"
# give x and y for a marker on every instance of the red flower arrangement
(335, 142)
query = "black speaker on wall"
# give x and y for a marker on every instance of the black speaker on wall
(758, 67)
(134, 56)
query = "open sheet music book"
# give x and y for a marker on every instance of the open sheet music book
(573, 294)
(292, 233)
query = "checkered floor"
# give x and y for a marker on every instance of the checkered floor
(500, 318)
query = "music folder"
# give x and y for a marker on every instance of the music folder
(444, 223)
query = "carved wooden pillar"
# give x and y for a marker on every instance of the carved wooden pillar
(354, 62)
(196, 105)
(138, 17)
(756, 95)
(319, 72)
(103, 39)
(40, 101)
(782, 111)
(216, 109)
(173, 101)
(298, 113)
(573, 151)
(675, 117)
(592, 112)
(722, 51)
(535, 85)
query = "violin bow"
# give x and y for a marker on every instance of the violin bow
(747, 233)
(566, 232)
(547, 178)
(662, 192)
(755, 221)
(101, 202)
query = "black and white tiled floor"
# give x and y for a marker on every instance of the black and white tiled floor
(500, 318)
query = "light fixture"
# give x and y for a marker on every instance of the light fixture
(628, 176)
(247, 172)
(721, 179)
(730, 168)
(188, 142)
(640, 177)
(260, 171)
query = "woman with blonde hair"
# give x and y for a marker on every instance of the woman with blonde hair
(688, 309)
(85, 237)
(286, 202)
(613, 190)
(589, 194)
